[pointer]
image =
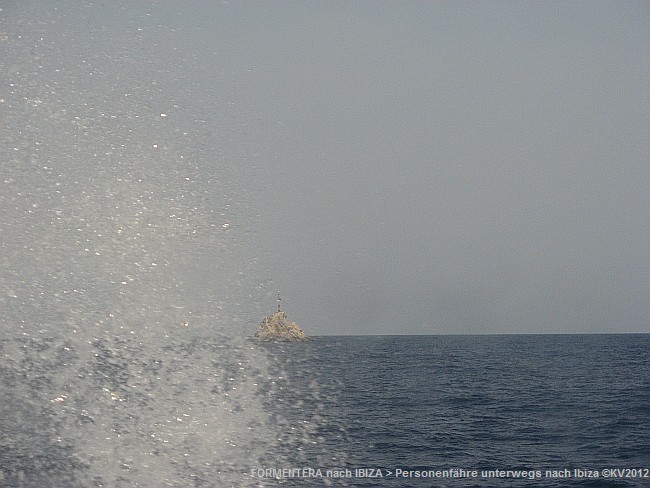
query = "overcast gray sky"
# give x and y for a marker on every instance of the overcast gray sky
(448, 167)
(397, 167)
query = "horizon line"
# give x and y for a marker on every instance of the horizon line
(485, 334)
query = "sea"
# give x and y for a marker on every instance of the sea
(449, 411)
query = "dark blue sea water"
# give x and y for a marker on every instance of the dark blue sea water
(338, 411)
(481, 403)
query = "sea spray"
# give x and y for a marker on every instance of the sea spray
(128, 290)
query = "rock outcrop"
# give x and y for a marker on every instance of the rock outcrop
(276, 327)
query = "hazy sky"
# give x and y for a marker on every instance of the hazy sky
(448, 167)
(404, 167)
